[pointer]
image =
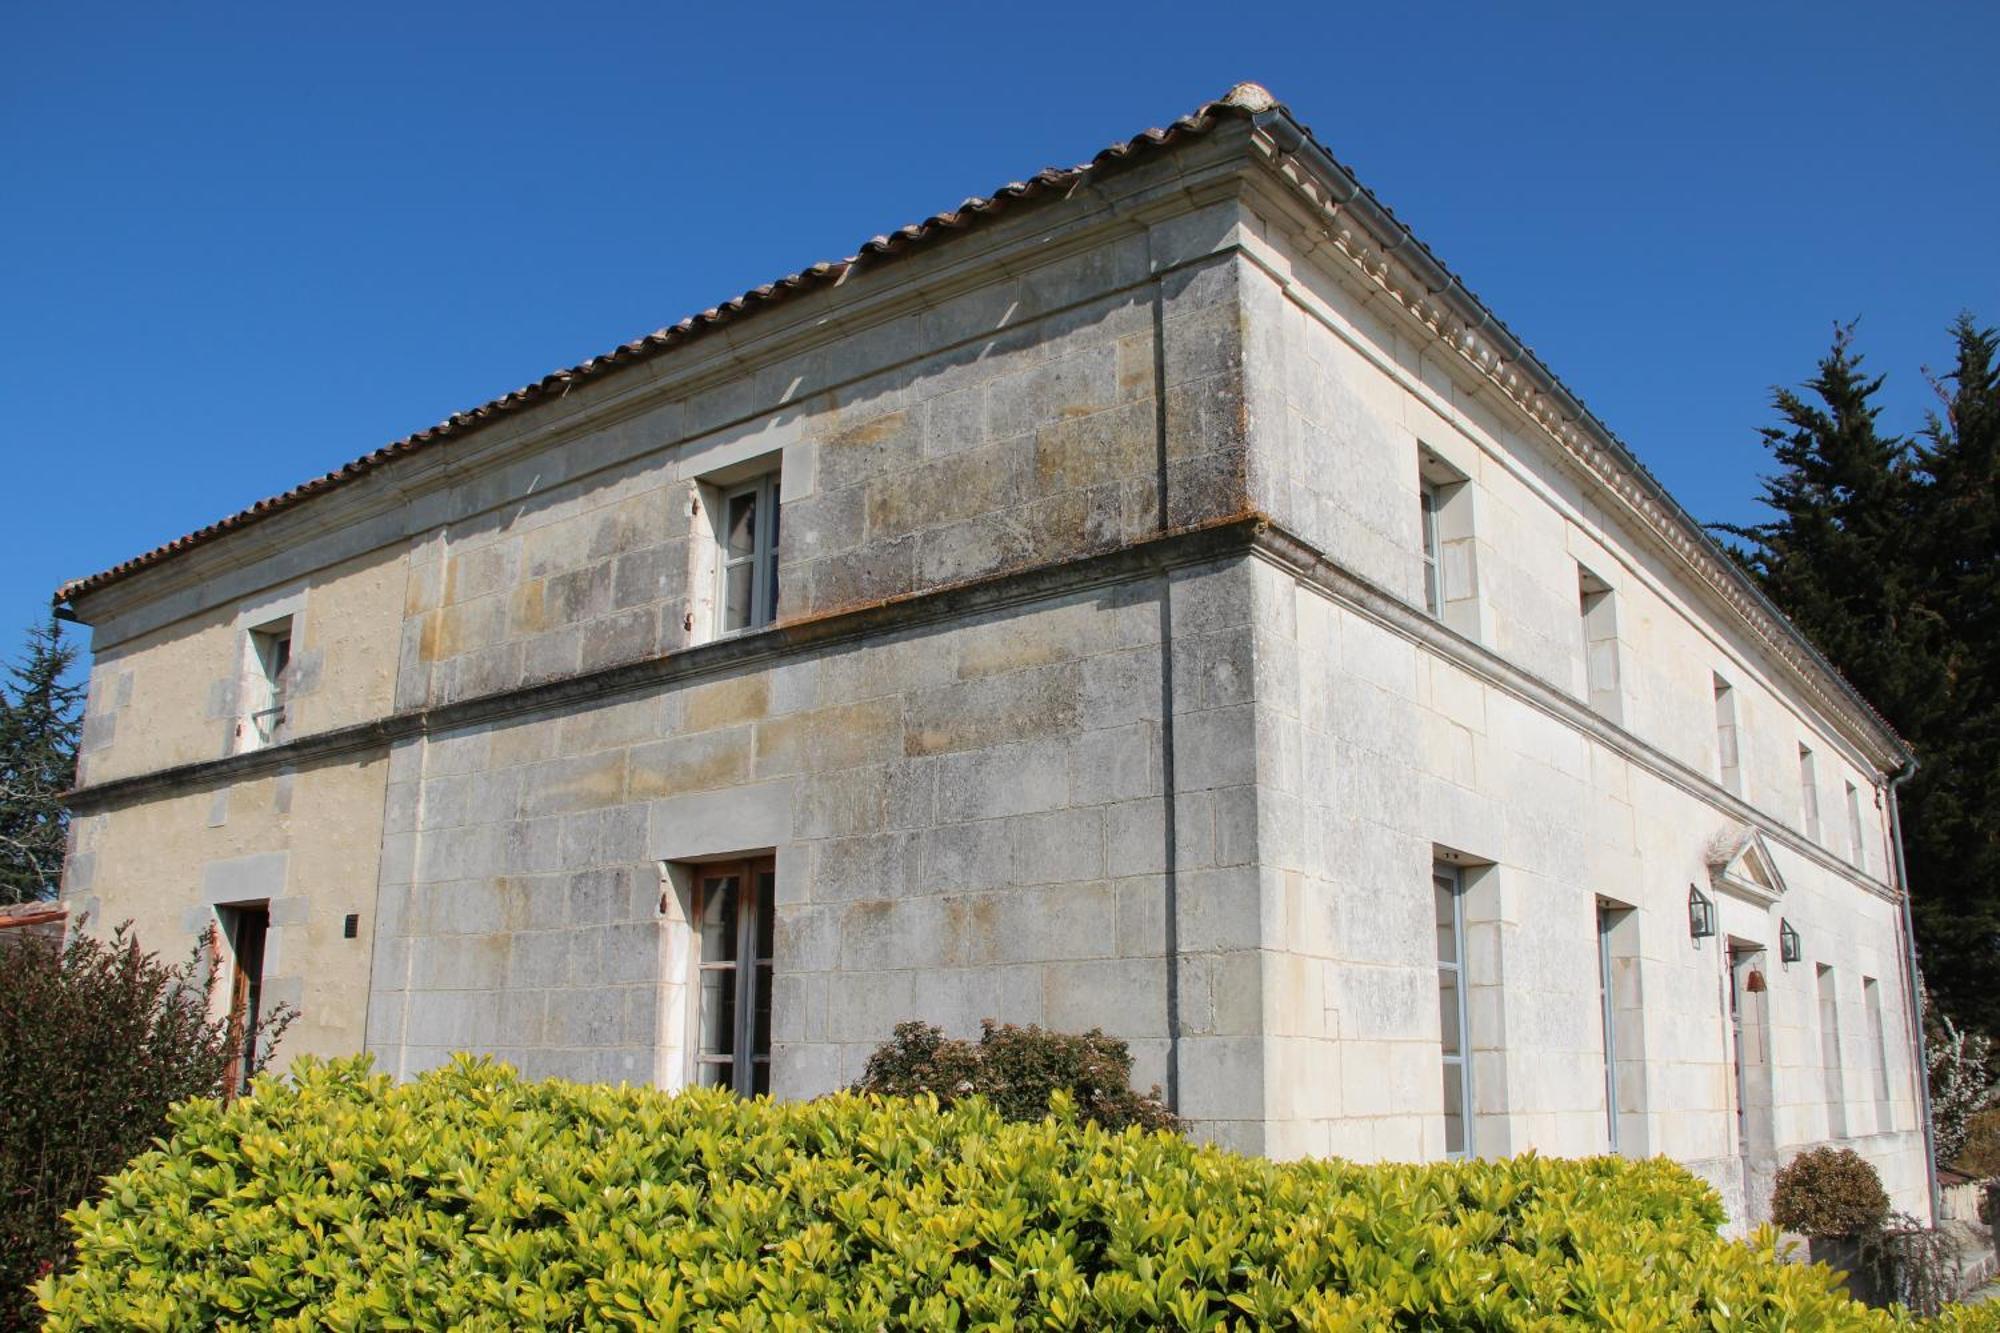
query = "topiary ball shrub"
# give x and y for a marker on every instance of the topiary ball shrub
(1829, 1192)
(472, 1199)
(1017, 1069)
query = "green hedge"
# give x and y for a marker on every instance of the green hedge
(472, 1199)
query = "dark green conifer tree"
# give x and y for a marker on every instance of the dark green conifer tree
(1952, 812)
(39, 723)
(1882, 550)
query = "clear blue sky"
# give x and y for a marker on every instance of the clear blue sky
(244, 244)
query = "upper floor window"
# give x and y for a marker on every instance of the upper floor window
(271, 654)
(1597, 614)
(1857, 848)
(1729, 759)
(748, 597)
(1809, 792)
(1444, 534)
(1427, 509)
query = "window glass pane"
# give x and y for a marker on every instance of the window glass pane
(741, 527)
(718, 1011)
(719, 1075)
(1449, 1012)
(777, 512)
(718, 919)
(760, 1079)
(761, 1036)
(766, 915)
(736, 594)
(769, 611)
(1446, 896)
(1454, 1109)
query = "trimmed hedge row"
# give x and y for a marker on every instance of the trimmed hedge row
(473, 1199)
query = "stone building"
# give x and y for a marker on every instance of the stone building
(1156, 596)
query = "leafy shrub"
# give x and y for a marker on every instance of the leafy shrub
(1911, 1264)
(472, 1199)
(1981, 1154)
(1962, 1084)
(1829, 1192)
(97, 1040)
(1016, 1069)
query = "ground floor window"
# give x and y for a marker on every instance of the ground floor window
(735, 920)
(244, 931)
(1607, 1012)
(1448, 891)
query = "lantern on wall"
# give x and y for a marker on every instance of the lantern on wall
(1701, 913)
(1788, 942)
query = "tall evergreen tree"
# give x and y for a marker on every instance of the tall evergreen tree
(1953, 811)
(1882, 550)
(39, 724)
(1836, 555)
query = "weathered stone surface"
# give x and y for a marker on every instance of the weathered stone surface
(1016, 812)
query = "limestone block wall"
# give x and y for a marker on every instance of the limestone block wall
(968, 822)
(172, 694)
(1343, 397)
(1384, 741)
(1377, 751)
(1017, 423)
(305, 841)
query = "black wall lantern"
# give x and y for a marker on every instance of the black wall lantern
(1788, 942)
(1701, 914)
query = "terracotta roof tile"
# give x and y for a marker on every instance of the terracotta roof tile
(1241, 101)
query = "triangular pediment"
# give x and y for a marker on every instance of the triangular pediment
(1740, 863)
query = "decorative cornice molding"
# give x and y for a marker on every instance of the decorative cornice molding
(1209, 169)
(1186, 546)
(1244, 534)
(1370, 239)
(1278, 547)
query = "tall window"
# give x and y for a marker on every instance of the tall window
(749, 595)
(1597, 614)
(1871, 997)
(1608, 1018)
(1427, 504)
(1809, 792)
(244, 929)
(1448, 891)
(1729, 761)
(271, 646)
(1857, 847)
(734, 915)
(1829, 1054)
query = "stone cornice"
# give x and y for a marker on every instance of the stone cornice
(1299, 558)
(787, 638)
(1389, 259)
(1238, 535)
(388, 505)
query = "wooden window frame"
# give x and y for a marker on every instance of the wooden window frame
(1429, 501)
(246, 929)
(271, 649)
(1607, 1013)
(748, 1063)
(1448, 878)
(762, 557)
